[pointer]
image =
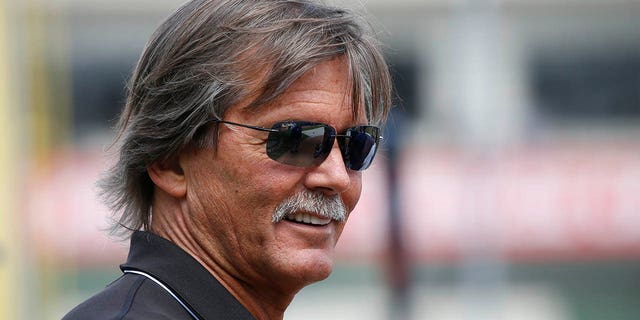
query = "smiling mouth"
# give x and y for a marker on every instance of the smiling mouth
(307, 219)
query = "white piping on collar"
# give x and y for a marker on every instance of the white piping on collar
(152, 278)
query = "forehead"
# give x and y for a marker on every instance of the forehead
(326, 87)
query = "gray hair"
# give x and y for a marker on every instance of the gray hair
(208, 56)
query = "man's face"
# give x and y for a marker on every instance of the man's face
(232, 192)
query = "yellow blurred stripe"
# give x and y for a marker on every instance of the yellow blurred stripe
(40, 91)
(10, 288)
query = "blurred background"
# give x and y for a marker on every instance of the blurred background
(508, 187)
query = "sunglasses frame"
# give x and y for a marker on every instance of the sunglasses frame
(334, 136)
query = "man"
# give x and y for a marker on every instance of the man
(241, 148)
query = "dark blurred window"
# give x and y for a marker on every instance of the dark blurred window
(587, 86)
(98, 94)
(405, 80)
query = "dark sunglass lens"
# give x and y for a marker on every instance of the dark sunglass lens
(300, 144)
(360, 146)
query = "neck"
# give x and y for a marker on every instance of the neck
(262, 299)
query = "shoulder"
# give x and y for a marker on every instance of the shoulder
(129, 297)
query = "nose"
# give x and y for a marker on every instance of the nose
(331, 176)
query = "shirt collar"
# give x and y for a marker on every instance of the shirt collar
(184, 275)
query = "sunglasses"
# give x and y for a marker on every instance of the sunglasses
(306, 144)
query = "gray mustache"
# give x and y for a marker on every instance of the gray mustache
(316, 202)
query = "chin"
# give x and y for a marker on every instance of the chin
(311, 267)
(320, 272)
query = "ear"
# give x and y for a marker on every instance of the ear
(169, 176)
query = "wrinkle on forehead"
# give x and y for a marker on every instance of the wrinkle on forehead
(314, 75)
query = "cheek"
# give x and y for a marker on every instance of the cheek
(202, 202)
(241, 184)
(352, 196)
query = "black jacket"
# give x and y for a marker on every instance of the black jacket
(158, 277)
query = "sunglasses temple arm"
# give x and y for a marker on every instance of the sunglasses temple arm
(345, 135)
(244, 125)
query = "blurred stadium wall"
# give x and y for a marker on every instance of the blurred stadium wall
(511, 171)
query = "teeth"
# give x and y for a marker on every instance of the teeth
(309, 219)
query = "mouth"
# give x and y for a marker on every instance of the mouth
(307, 219)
